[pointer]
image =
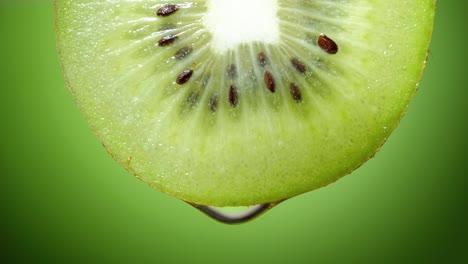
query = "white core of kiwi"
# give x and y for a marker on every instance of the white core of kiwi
(241, 21)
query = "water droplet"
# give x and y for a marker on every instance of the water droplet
(234, 215)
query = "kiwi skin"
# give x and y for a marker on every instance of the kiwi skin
(216, 199)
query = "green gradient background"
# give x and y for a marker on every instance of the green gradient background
(64, 200)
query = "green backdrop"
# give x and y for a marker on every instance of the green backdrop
(64, 200)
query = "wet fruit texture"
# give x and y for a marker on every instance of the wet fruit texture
(230, 103)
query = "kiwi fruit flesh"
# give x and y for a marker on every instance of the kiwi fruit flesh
(237, 103)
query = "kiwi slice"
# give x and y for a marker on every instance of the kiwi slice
(237, 103)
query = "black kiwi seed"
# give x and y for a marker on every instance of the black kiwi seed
(183, 52)
(232, 71)
(213, 103)
(327, 44)
(262, 59)
(167, 10)
(184, 76)
(167, 40)
(300, 67)
(295, 92)
(233, 96)
(269, 81)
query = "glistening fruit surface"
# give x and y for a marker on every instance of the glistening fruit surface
(269, 113)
